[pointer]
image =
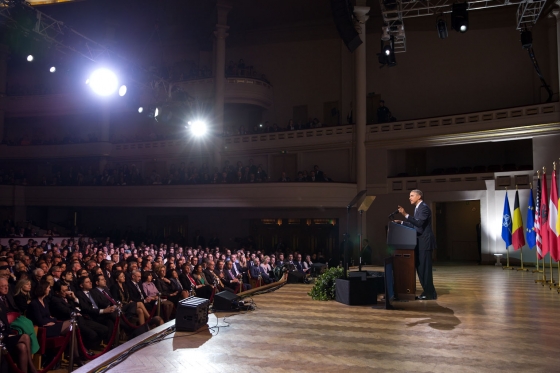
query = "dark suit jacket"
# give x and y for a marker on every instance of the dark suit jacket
(256, 270)
(136, 295)
(422, 222)
(85, 304)
(38, 314)
(187, 285)
(61, 309)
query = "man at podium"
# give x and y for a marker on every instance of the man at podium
(425, 243)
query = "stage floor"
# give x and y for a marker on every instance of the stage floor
(485, 320)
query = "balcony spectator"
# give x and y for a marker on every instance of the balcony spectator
(284, 178)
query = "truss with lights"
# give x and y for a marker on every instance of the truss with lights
(395, 11)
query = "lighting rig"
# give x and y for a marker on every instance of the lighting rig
(21, 16)
(395, 11)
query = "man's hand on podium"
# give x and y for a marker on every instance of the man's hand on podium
(397, 221)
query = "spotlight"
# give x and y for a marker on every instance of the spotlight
(30, 58)
(441, 26)
(387, 55)
(140, 109)
(198, 128)
(52, 69)
(156, 113)
(122, 90)
(103, 82)
(460, 17)
(526, 39)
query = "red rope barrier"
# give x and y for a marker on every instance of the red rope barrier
(129, 324)
(54, 361)
(107, 348)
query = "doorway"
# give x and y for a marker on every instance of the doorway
(457, 229)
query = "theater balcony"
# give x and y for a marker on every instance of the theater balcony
(238, 90)
(316, 196)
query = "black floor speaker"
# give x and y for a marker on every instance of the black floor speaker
(226, 301)
(295, 277)
(354, 291)
(192, 314)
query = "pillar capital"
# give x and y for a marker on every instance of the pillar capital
(361, 13)
(221, 31)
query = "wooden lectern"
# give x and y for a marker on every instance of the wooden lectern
(402, 240)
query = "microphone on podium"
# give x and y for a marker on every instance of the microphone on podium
(394, 212)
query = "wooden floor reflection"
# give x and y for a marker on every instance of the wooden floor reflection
(485, 320)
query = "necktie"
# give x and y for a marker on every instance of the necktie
(4, 303)
(140, 291)
(107, 296)
(231, 274)
(92, 301)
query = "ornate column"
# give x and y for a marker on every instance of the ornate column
(360, 13)
(3, 84)
(222, 10)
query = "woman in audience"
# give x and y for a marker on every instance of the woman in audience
(265, 265)
(119, 292)
(148, 286)
(18, 345)
(22, 294)
(176, 286)
(203, 288)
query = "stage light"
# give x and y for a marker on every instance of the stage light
(122, 90)
(30, 58)
(385, 36)
(156, 113)
(52, 69)
(441, 27)
(387, 54)
(104, 82)
(140, 109)
(198, 128)
(460, 17)
(387, 50)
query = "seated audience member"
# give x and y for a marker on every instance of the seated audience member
(284, 178)
(22, 295)
(63, 303)
(119, 292)
(17, 345)
(257, 271)
(91, 305)
(176, 285)
(266, 266)
(187, 281)
(233, 281)
(151, 291)
(203, 289)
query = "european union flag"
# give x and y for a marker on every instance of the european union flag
(530, 232)
(506, 223)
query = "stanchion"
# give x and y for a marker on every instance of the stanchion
(119, 312)
(557, 286)
(537, 270)
(72, 342)
(521, 268)
(551, 281)
(543, 280)
(158, 304)
(2, 348)
(507, 261)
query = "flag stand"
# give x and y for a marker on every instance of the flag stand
(521, 269)
(537, 270)
(507, 261)
(551, 282)
(543, 280)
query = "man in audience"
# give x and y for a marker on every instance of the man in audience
(258, 272)
(91, 305)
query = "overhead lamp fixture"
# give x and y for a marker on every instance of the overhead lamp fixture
(140, 109)
(526, 39)
(387, 54)
(104, 82)
(460, 17)
(30, 58)
(441, 27)
(52, 69)
(122, 90)
(400, 31)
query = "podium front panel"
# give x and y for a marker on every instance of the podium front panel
(404, 263)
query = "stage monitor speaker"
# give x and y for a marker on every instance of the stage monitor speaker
(295, 277)
(192, 314)
(226, 301)
(343, 18)
(355, 292)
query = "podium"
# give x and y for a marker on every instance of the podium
(402, 240)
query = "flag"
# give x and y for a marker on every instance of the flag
(506, 223)
(543, 211)
(517, 236)
(538, 220)
(552, 217)
(530, 232)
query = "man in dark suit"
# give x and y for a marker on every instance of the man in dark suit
(233, 281)
(425, 244)
(91, 305)
(257, 271)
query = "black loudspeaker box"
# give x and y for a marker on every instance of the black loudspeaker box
(295, 277)
(192, 314)
(355, 292)
(226, 301)
(343, 18)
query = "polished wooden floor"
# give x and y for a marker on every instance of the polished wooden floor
(485, 320)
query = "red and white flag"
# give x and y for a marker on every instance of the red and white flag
(543, 218)
(552, 217)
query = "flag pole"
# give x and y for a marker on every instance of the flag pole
(543, 280)
(507, 254)
(551, 282)
(537, 255)
(521, 248)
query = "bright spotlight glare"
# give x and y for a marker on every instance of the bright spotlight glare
(463, 28)
(122, 90)
(387, 52)
(52, 69)
(103, 82)
(140, 109)
(30, 58)
(198, 128)
(156, 113)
